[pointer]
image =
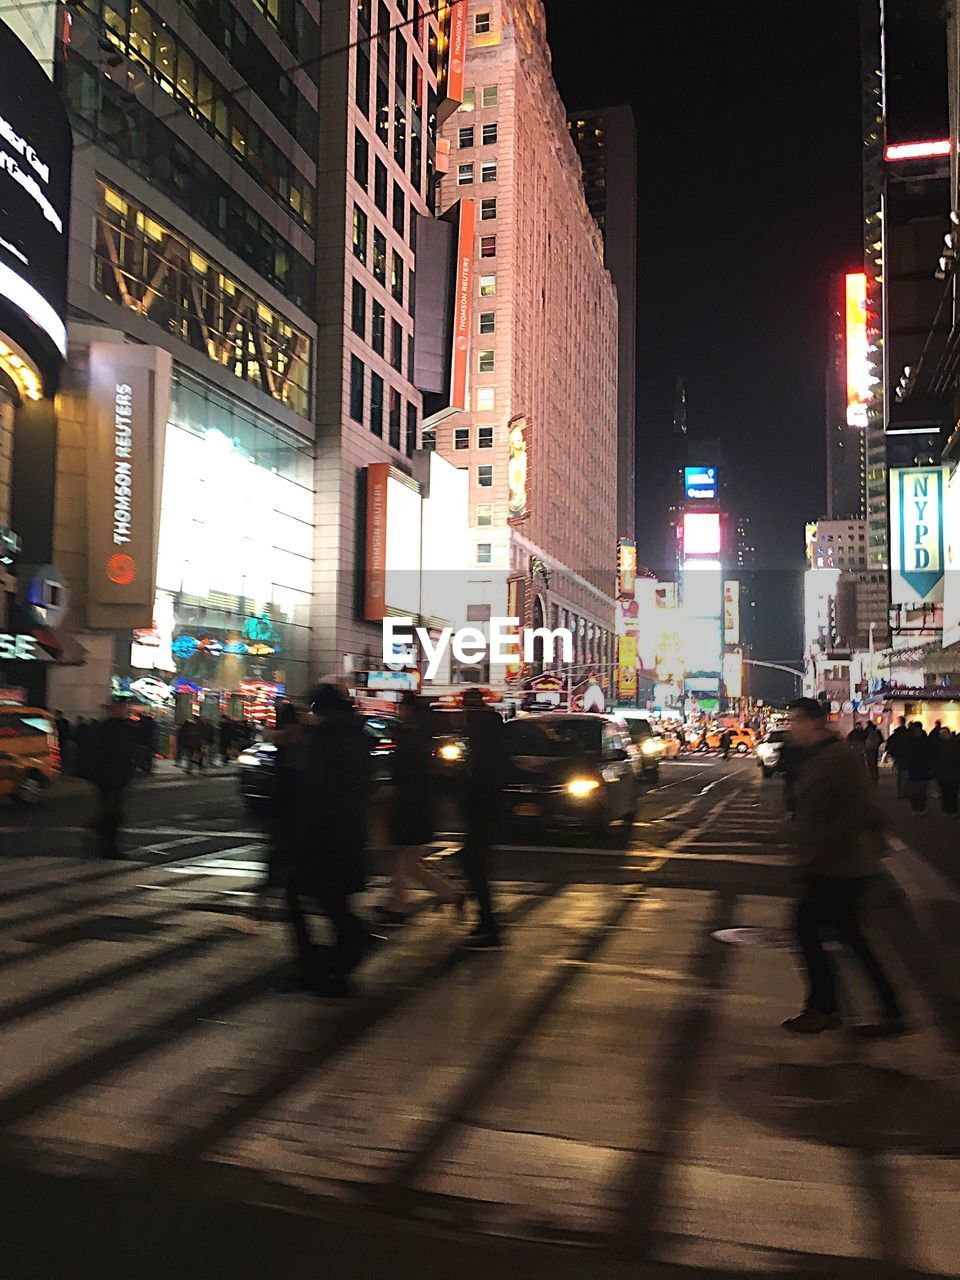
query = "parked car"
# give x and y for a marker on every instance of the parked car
(572, 771)
(257, 763)
(651, 746)
(768, 751)
(29, 753)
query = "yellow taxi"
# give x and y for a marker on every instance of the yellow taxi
(742, 740)
(29, 752)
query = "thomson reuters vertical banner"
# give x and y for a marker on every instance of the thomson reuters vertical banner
(129, 402)
(375, 565)
(462, 304)
(453, 50)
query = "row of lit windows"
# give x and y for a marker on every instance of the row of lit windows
(461, 437)
(489, 97)
(380, 394)
(99, 109)
(466, 136)
(147, 40)
(465, 173)
(142, 264)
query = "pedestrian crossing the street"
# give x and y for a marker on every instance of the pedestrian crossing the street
(615, 1077)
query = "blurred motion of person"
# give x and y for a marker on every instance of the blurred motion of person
(916, 757)
(872, 742)
(896, 745)
(329, 841)
(788, 766)
(113, 747)
(726, 742)
(486, 770)
(857, 742)
(412, 814)
(839, 840)
(146, 735)
(289, 737)
(63, 738)
(225, 734)
(948, 771)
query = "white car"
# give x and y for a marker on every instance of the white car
(768, 751)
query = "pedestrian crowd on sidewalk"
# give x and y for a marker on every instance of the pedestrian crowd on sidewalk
(919, 758)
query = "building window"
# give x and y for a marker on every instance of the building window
(396, 277)
(410, 358)
(484, 513)
(485, 476)
(465, 137)
(486, 400)
(464, 175)
(359, 233)
(488, 172)
(394, 418)
(383, 112)
(400, 133)
(488, 321)
(491, 94)
(376, 404)
(361, 158)
(411, 428)
(488, 246)
(359, 313)
(461, 438)
(379, 256)
(380, 185)
(399, 209)
(484, 553)
(361, 93)
(428, 439)
(485, 361)
(356, 389)
(488, 135)
(488, 286)
(485, 437)
(481, 24)
(488, 209)
(396, 345)
(378, 335)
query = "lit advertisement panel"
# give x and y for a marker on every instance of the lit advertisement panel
(700, 482)
(626, 569)
(702, 645)
(518, 470)
(702, 588)
(701, 533)
(402, 585)
(951, 539)
(731, 613)
(918, 150)
(917, 557)
(858, 362)
(733, 674)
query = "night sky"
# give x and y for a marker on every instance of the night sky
(748, 115)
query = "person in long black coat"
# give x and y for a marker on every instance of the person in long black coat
(327, 855)
(113, 753)
(487, 771)
(411, 812)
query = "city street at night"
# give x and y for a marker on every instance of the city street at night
(598, 1095)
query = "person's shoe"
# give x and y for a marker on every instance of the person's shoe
(888, 1028)
(811, 1022)
(488, 940)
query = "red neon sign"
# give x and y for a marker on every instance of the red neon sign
(917, 150)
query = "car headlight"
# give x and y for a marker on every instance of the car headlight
(451, 751)
(248, 758)
(580, 788)
(650, 747)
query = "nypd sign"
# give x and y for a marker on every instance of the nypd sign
(916, 535)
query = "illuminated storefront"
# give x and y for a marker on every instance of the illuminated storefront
(231, 617)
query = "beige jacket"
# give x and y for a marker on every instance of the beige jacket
(838, 829)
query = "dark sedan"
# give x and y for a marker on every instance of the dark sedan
(257, 764)
(572, 771)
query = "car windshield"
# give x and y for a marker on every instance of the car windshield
(556, 738)
(639, 729)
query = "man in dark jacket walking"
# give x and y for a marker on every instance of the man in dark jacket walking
(838, 844)
(331, 803)
(487, 767)
(113, 749)
(896, 747)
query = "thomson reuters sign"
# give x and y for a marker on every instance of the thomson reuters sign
(129, 401)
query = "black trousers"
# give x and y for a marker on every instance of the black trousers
(949, 790)
(109, 819)
(831, 903)
(350, 936)
(482, 822)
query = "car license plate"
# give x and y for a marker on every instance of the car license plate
(527, 810)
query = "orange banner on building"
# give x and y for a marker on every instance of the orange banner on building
(375, 576)
(453, 59)
(463, 303)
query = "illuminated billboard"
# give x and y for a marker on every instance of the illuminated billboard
(702, 588)
(858, 362)
(917, 557)
(702, 645)
(701, 533)
(731, 612)
(518, 470)
(626, 569)
(700, 482)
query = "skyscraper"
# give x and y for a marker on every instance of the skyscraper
(846, 449)
(606, 141)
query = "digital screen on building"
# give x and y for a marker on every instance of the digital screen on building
(700, 482)
(857, 358)
(702, 588)
(35, 157)
(701, 533)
